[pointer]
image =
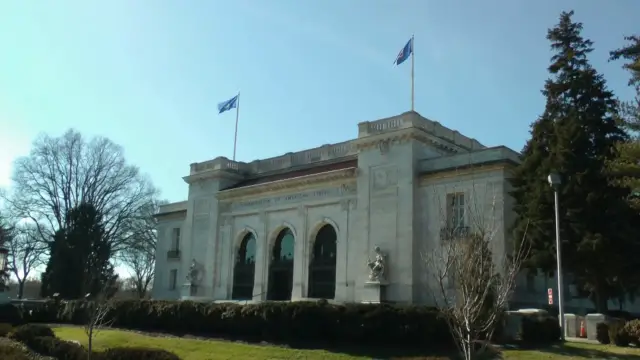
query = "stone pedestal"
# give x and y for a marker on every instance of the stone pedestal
(374, 292)
(188, 291)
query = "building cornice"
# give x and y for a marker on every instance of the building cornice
(172, 215)
(472, 169)
(212, 174)
(405, 135)
(288, 184)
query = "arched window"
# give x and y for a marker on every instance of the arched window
(244, 269)
(322, 268)
(281, 267)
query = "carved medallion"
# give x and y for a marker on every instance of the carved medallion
(384, 177)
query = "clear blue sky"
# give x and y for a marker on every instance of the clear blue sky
(148, 74)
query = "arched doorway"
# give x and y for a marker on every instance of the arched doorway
(322, 268)
(281, 267)
(244, 269)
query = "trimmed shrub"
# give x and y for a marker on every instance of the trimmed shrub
(602, 333)
(12, 353)
(5, 329)
(276, 322)
(26, 332)
(11, 314)
(54, 347)
(136, 354)
(617, 333)
(632, 329)
(539, 329)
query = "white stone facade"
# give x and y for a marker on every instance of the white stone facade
(388, 187)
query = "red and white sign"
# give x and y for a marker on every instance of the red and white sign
(550, 294)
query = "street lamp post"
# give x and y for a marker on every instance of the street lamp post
(555, 182)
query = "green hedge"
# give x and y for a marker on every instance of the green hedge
(539, 329)
(276, 322)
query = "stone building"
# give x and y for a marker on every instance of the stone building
(305, 224)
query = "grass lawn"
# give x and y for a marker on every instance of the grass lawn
(192, 349)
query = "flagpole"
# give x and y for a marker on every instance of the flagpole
(413, 56)
(235, 137)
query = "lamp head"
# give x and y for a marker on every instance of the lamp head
(554, 180)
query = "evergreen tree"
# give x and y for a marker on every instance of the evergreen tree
(575, 137)
(79, 261)
(626, 168)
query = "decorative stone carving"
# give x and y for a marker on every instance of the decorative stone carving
(344, 204)
(202, 206)
(302, 210)
(383, 146)
(377, 267)
(384, 177)
(354, 204)
(263, 216)
(347, 189)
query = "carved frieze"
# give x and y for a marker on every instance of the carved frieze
(301, 197)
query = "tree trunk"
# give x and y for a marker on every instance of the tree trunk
(600, 301)
(21, 288)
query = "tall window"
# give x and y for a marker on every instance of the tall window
(455, 210)
(175, 239)
(322, 269)
(281, 268)
(244, 269)
(173, 279)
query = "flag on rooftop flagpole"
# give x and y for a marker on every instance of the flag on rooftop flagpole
(404, 54)
(228, 105)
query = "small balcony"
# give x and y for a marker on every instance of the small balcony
(173, 255)
(452, 233)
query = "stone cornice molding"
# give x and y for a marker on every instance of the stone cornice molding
(288, 184)
(428, 178)
(404, 135)
(212, 174)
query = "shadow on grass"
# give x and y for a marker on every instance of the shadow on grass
(578, 352)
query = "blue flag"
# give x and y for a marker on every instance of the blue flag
(228, 105)
(404, 54)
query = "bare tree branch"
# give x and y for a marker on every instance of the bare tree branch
(469, 283)
(61, 172)
(97, 317)
(26, 253)
(140, 256)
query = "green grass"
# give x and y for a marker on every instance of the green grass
(193, 349)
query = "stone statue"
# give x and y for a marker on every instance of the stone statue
(192, 276)
(377, 266)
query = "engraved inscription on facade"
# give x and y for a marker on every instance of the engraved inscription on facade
(384, 177)
(344, 190)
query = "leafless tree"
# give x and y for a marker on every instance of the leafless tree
(97, 317)
(472, 274)
(26, 253)
(141, 266)
(61, 172)
(140, 256)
